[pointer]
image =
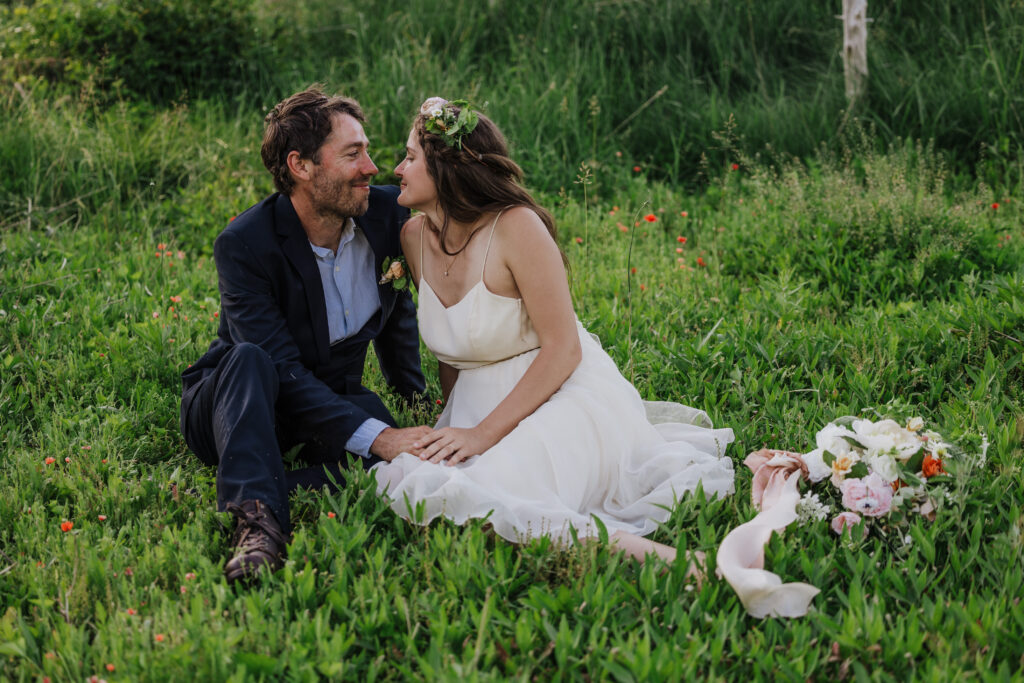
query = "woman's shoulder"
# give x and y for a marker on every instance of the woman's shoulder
(521, 227)
(413, 228)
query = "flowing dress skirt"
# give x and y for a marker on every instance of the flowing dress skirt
(594, 449)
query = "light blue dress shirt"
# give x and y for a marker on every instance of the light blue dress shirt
(350, 293)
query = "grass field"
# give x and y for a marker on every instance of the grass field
(872, 272)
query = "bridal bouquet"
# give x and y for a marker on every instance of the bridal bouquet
(877, 470)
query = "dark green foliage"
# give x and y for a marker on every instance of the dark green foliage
(155, 49)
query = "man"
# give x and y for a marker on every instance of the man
(300, 302)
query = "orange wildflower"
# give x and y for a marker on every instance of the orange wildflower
(650, 218)
(932, 466)
(50, 461)
(66, 526)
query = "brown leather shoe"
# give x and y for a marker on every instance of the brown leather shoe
(258, 541)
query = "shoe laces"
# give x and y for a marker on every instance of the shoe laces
(250, 524)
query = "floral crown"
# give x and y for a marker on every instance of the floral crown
(441, 119)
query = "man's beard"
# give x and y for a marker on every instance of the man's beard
(338, 198)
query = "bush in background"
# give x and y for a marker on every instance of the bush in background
(151, 49)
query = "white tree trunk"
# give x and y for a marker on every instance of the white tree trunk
(855, 48)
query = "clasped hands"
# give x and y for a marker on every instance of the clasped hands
(451, 445)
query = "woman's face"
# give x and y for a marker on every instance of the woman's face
(418, 188)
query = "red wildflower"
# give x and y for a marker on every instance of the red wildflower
(643, 288)
(700, 261)
(161, 246)
(633, 270)
(131, 612)
(159, 637)
(995, 205)
(102, 518)
(735, 167)
(650, 218)
(681, 239)
(231, 219)
(176, 299)
(66, 526)
(622, 228)
(110, 668)
(50, 461)
(217, 314)
(67, 460)
(331, 515)
(636, 169)
(683, 214)
(128, 571)
(679, 250)
(438, 401)
(579, 240)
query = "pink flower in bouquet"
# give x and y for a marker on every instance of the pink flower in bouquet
(843, 520)
(870, 496)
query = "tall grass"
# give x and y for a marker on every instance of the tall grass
(654, 79)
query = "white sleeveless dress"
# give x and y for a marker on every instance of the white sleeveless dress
(594, 449)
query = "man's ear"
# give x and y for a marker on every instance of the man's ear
(300, 168)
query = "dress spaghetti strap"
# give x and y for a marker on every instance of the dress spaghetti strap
(487, 249)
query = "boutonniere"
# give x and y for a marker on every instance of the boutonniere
(396, 272)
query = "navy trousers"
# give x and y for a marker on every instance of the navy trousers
(233, 422)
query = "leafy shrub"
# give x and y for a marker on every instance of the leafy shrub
(156, 49)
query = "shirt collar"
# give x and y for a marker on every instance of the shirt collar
(348, 232)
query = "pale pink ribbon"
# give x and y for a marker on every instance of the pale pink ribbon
(741, 554)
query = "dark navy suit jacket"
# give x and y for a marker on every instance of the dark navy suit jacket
(272, 296)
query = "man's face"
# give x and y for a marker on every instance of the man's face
(340, 183)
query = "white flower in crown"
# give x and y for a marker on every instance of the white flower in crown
(433, 107)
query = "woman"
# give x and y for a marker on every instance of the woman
(540, 432)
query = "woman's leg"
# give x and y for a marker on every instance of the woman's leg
(639, 548)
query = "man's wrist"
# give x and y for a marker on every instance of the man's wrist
(362, 440)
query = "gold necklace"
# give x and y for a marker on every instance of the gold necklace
(449, 265)
(472, 234)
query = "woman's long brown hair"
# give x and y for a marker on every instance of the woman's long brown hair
(475, 178)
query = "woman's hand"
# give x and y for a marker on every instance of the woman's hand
(452, 444)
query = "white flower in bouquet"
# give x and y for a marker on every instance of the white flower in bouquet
(810, 507)
(831, 439)
(816, 467)
(884, 466)
(887, 436)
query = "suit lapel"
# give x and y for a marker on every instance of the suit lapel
(295, 245)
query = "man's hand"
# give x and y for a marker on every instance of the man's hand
(393, 441)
